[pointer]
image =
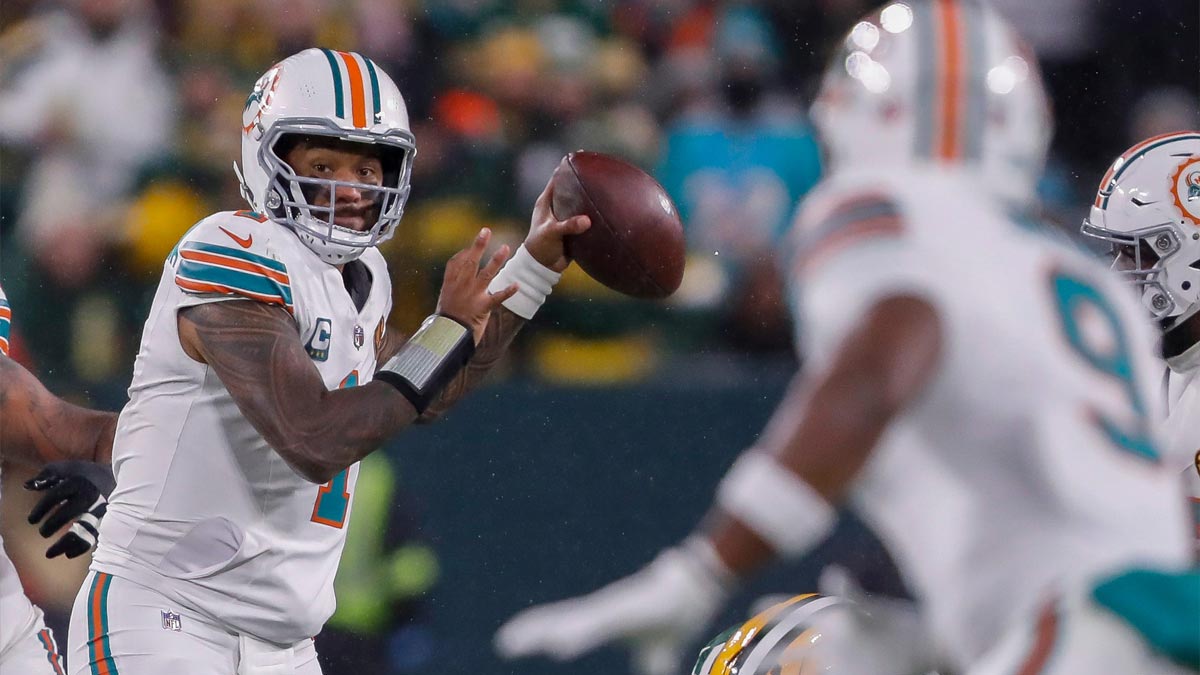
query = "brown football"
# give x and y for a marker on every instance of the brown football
(635, 244)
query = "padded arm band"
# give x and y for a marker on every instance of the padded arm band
(776, 503)
(534, 281)
(429, 360)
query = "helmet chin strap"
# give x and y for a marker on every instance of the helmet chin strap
(243, 186)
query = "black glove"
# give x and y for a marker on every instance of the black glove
(75, 492)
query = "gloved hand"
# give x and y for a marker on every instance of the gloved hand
(74, 493)
(657, 611)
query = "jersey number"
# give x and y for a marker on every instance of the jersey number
(333, 498)
(1075, 299)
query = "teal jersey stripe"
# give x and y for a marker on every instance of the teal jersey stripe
(337, 83)
(236, 253)
(1148, 148)
(374, 90)
(926, 69)
(99, 649)
(91, 622)
(236, 281)
(975, 117)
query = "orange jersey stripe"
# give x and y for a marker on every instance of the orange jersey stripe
(950, 84)
(850, 234)
(6, 313)
(3, 346)
(358, 101)
(1043, 644)
(202, 287)
(234, 263)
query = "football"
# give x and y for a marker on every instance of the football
(635, 244)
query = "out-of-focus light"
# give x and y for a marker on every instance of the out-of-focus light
(856, 63)
(896, 18)
(1001, 79)
(864, 36)
(876, 78)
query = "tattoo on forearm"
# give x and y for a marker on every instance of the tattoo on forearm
(255, 350)
(37, 427)
(502, 327)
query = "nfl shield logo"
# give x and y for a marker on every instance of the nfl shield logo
(359, 337)
(171, 621)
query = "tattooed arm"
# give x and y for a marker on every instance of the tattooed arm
(502, 327)
(37, 427)
(255, 351)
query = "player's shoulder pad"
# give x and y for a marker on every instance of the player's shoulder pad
(230, 253)
(5, 322)
(832, 220)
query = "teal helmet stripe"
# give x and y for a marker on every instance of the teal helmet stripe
(378, 110)
(975, 118)
(338, 94)
(926, 70)
(1139, 153)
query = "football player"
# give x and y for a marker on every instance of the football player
(266, 373)
(40, 430)
(1148, 209)
(983, 395)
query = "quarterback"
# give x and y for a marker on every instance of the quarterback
(981, 394)
(36, 429)
(266, 373)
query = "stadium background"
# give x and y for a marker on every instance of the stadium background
(604, 433)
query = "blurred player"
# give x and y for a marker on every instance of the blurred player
(37, 428)
(982, 395)
(1148, 208)
(266, 373)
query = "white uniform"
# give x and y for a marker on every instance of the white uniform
(1182, 430)
(26, 645)
(205, 513)
(1028, 465)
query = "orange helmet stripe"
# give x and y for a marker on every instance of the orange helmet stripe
(1120, 162)
(358, 99)
(951, 73)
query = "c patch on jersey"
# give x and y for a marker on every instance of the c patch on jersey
(209, 268)
(847, 223)
(318, 343)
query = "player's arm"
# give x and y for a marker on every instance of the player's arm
(257, 354)
(535, 268)
(775, 500)
(821, 436)
(37, 427)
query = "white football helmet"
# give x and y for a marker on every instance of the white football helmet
(1148, 208)
(341, 95)
(937, 81)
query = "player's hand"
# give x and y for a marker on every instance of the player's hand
(545, 239)
(657, 611)
(74, 492)
(464, 296)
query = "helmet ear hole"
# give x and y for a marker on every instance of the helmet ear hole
(1187, 285)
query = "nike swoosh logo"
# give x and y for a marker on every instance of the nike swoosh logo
(244, 243)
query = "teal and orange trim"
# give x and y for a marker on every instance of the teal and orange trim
(860, 218)
(47, 641)
(1045, 637)
(350, 67)
(100, 657)
(5, 324)
(209, 268)
(1104, 191)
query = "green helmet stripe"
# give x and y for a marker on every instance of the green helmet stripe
(378, 110)
(337, 83)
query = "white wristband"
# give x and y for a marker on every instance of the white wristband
(534, 281)
(773, 501)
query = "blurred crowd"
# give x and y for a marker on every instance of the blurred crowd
(119, 125)
(118, 130)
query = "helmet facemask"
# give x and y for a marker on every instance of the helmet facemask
(1143, 257)
(294, 200)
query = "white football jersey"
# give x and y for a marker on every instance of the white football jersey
(1182, 432)
(1030, 460)
(15, 608)
(205, 511)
